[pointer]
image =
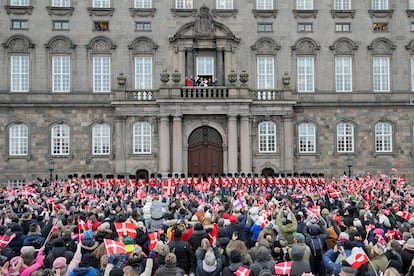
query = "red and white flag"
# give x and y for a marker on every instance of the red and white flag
(283, 268)
(242, 271)
(82, 226)
(4, 240)
(406, 215)
(126, 229)
(114, 247)
(357, 258)
(153, 236)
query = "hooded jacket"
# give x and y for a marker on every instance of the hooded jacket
(299, 265)
(263, 259)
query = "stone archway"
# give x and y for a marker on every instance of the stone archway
(268, 172)
(142, 174)
(205, 151)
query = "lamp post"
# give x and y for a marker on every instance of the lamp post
(51, 166)
(349, 165)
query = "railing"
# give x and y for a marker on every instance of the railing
(267, 95)
(141, 95)
(204, 92)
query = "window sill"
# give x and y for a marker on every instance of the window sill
(101, 11)
(18, 9)
(376, 154)
(410, 13)
(141, 156)
(142, 12)
(343, 13)
(184, 12)
(225, 13)
(307, 154)
(50, 156)
(91, 157)
(60, 11)
(265, 13)
(380, 13)
(305, 13)
(18, 157)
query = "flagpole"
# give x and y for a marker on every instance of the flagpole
(50, 233)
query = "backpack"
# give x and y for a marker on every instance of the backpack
(316, 246)
(264, 271)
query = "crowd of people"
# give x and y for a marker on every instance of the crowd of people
(241, 225)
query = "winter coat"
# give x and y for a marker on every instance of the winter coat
(288, 229)
(263, 259)
(84, 271)
(229, 270)
(57, 252)
(299, 265)
(219, 263)
(183, 252)
(169, 270)
(196, 238)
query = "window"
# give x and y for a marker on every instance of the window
(224, 4)
(20, 24)
(265, 27)
(18, 140)
(412, 27)
(305, 71)
(101, 3)
(304, 4)
(343, 27)
(305, 27)
(383, 137)
(205, 67)
(264, 4)
(411, 4)
(142, 138)
(19, 73)
(265, 73)
(345, 137)
(380, 27)
(101, 74)
(380, 4)
(19, 2)
(342, 4)
(184, 4)
(143, 72)
(267, 137)
(343, 74)
(61, 74)
(61, 3)
(143, 26)
(307, 138)
(381, 74)
(60, 139)
(101, 26)
(143, 4)
(412, 74)
(60, 25)
(101, 139)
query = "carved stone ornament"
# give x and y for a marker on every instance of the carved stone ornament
(266, 46)
(305, 13)
(100, 45)
(224, 13)
(18, 44)
(264, 13)
(380, 13)
(306, 47)
(343, 13)
(204, 26)
(100, 11)
(381, 46)
(18, 9)
(343, 46)
(143, 45)
(410, 47)
(142, 12)
(60, 44)
(184, 12)
(410, 13)
(60, 11)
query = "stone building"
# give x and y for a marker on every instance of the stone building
(100, 87)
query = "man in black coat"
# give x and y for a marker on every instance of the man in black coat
(182, 250)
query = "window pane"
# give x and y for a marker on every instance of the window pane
(381, 74)
(411, 5)
(265, 73)
(18, 140)
(60, 74)
(224, 4)
(304, 4)
(101, 74)
(143, 73)
(184, 4)
(19, 2)
(19, 73)
(307, 139)
(143, 4)
(412, 73)
(142, 138)
(305, 72)
(264, 4)
(61, 3)
(342, 4)
(383, 137)
(101, 3)
(343, 74)
(101, 140)
(267, 137)
(60, 140)
(345, 137)
(380, 4)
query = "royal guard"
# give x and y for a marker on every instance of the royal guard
(152, 184)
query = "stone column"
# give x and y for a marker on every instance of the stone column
(120, 141)
(177, 145)
(189, 67)
(220, 66)
(245, 146)
(164, 140)
(232, 143)
(288, 149)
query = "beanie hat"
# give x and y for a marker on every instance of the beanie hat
(59, 263)
(299, 237)
(170, 259)
(86, 260)
(235, 256)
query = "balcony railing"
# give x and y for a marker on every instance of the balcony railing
(267, 95)
(205, 92)
(141, 95)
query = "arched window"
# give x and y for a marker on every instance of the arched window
(267, 137)
(101, 139)
(345, 137)
(142, 138)
(60, 138)
(18, 140)
(307, 138)
(383, 137)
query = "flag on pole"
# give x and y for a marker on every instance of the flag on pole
(283, 268)
(357, 258)
(82, 226)
(5, 240)
(114, 247)
(242, 271)
(126, 229)
(153, 236)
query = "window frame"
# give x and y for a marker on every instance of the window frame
(381, 136)
(184, 4)
(342, 27)
(143, 23)
(267, 138)
(56, 4)
(23, 86)
(411, 4)
(101, 140)
(146, 76)
(381, 75)
(59, 76)
(266, 75)
(20, 3)
(412, 72)
(21, 22)
(305, 74)
(265, 27)
(343, 4)
(105, 78)
(142, 4)
(18, 146)
(61, 22)
(305, 29)
(378, 5)
(343, 74)
(60, 142)
(264, 5)
(307, 135)
(228, 5)
(101, 4)
(345, 138)
(304, 5)
(142, 138)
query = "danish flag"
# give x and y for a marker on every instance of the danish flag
(242, 271)
(283, 268)
(82, 225)
(114, 247)
(126, 229)
(153, 236)
(4, 240)
(334, 194)
(406, 215)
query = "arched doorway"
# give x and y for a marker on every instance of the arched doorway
(205, 151)
(142, 174)
(268, 172)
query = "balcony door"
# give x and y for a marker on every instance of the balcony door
(205, 68)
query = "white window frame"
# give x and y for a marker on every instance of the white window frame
(383, 137)
(345, 138)
(307, 138)
(224, 4)
(306, 74)
(381, 74)
(411, 4)
(101, 139)
(60, 3)
(143, 4)
(21, 3)
(265, 72)
(18, 140)
(61, 78)
(379, 4)
(205, 66)
(60, 140)
(412, 73)
(343, 5)
(19, 73)
(304, 4)
(143, 72)
(142, 138)
(183, 4)
(101, 74)
(101, 4)
(267, 137)
(264, 4)
(343, 74)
